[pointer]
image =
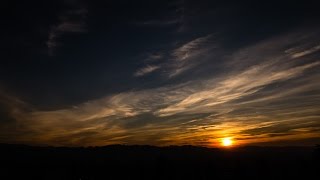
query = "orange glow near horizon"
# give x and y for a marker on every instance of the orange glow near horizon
(227, 142)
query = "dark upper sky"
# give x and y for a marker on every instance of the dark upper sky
(160, 72)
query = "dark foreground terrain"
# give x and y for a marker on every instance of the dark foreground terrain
(147, 162)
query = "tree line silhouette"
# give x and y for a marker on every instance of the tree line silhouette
(149, 162)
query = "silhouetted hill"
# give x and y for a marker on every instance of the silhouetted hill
(149, 162)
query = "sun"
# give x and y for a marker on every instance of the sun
(227, 142)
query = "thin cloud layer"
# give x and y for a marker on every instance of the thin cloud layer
(189, 54)
(146, 70)
(191, 48)
(71, 21)
(272, 95)
(181, 58)
(305, 52)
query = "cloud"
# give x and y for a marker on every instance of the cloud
(155, 56)
(181, 58)
(266, 96)
(149, 68)
(234, 87)
(190, 48)
(146, 70)
(185, 56)
(305, 52)
(71, 21)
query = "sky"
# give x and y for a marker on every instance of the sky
(95, 73)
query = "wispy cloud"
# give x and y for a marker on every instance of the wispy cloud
(191, 48)
(180, 59)
(146, 70)
(234, 87)
(71, 21)
(149, 60)
(155, 56)
(273, 97)
(189, 54)
(305, 52)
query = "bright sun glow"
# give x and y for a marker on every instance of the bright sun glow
(227, 141)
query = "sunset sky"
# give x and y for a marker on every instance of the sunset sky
(94, 73)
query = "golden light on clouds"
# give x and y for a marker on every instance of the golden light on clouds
(275, 99)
